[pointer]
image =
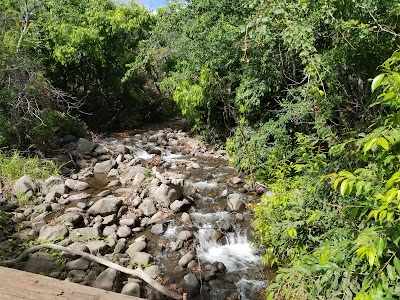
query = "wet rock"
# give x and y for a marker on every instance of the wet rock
(157, 229)
(185, 218)
(103, 167)
(114, 183)
(141, 258)
(122, 149)
(70, 218)
(156, 151)
(49, 233)
(187, 258)
(179, 205)
(166, 194)
(131, 289)
(85, 233)
(79, 197)
(105, 206)
(41, 262)
(76, 185)
(191, 285)
(104, 193)
(124, 231)
(219, 266)
(176, 245)
(147, 207)
(23, 185)
(107, 280)
(78, 264)
(85, 145)
(192, 264)
(235, 202)
(185, 235)
(77, 275)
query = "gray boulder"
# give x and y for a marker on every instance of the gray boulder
(76, 185)
(41, 262)
(85, 146)
(131, 289)
(49, 233)
(55, 184)
(147, 207)
(97, 247)
(79, 197)
(187, 258)
(166, 194)
(85, 233)
(70, 218)
(78, 264)
(137, 246)
(107, 280)
(105, 206)
(23, 185)
(141, 258)
(179, 205)
(235, 202)
(184, 235)
(103, 167)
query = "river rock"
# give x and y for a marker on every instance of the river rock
(137, 246)
(141, 258)
(79, 197)
(85, 145)
(153, 271)
(78, 264)
(139, 178)
(76, 185)
(236, 180)
(166, 194)
(52, 196)
(191, 280)
(179, 205)
(105, 206)
(103, 167)
(97, 247)
(122, 149)
(77, 246)
(131, 289)
(131, 222)
(49, 233)
(41, 262)
(70, 218)
(235, 202)
(107, 280)
(147, 207)
(77, 275)
(185, 235)
(124, 231)
(157, 229)
(23, 185)
(85, 233)
(55, 184)
(185, 218)
(187, 258)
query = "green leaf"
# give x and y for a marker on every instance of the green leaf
(336, 183)
(391, 272)
(368, 146)
(377, 82)
(380, 246)
(384, 143)
(344, 186)
(396, 263)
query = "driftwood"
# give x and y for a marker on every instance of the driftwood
(137, 272)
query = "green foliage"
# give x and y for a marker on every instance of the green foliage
(14, 165)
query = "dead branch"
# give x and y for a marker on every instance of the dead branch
(137, 272)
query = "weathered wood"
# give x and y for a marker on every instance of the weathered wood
(19, 285)
(137, 272)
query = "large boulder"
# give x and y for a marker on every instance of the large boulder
(235, 202)
(23, 185)
(76, 185)
(166, 194)
(105, 206)
(103, 167)
(85, 145)
(141, 258)
(54, 184)
(72, 218)
(107, 280)
(147, 207)
(49, 233)
(41, 262)
(86, 233)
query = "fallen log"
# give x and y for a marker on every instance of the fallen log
(137, 272)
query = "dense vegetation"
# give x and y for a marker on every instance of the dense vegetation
(287, 84)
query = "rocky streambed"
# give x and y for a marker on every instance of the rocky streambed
(159, 200)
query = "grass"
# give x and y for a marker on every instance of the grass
(14, 165)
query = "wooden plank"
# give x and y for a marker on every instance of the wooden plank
(20, 285)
